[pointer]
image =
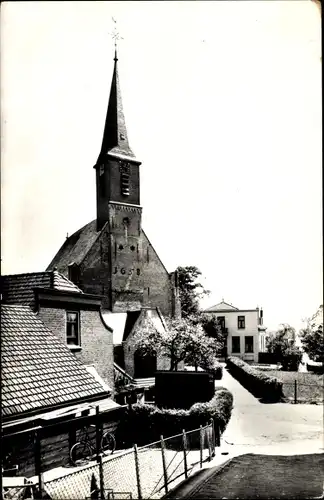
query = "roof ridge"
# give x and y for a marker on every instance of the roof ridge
(26, 274)
(24, 306)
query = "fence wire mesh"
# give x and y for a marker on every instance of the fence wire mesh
(147, 472)
(119, 474)
(76, 485)
(150, 466)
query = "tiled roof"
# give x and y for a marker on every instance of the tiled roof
(38, 371)
(75, 248)
(18, 288)
(60, 282)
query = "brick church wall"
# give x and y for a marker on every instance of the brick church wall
(157, 282)
(129, 346)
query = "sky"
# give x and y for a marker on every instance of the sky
(222, 102)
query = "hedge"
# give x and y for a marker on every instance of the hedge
(143, 423)
(270, 358)
(259, 384)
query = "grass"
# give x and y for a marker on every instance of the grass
(310, 388)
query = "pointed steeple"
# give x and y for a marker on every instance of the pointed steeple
(115, 140)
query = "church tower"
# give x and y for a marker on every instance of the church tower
(112, 256)
(118, 204)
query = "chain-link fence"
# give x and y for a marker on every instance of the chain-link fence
(139, 472)
(119, 475)
(75, 485)
(301, 392)
(144, 472)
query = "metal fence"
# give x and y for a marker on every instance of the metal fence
(140, 472)
(301, 392)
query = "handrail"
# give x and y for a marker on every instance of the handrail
(125, 374)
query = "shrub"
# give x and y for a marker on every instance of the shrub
(260, 384)
(142, 424)
(214, 368)
(270, 358)
(318, 369)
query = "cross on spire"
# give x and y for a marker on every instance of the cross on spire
(115, 36)
(115, 140)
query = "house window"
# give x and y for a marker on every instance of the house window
(249, 344)
(221, 321)
(72, 328)
(241, 322)
(236, 345)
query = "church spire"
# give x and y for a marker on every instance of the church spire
(115, 140)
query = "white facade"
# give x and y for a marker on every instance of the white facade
(244, 327)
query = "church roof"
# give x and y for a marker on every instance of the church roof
(115, 139)
(38, 371)
(75, 247)
(19, 288)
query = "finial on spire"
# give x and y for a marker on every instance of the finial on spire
(115, 36)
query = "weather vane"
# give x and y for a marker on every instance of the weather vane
(114, 34)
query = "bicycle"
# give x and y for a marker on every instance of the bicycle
(84, 449)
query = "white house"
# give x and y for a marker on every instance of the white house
(244, 328)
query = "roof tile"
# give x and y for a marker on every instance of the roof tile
(46, 366)
(19, 288)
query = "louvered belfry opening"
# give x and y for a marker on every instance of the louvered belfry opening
(124, 169)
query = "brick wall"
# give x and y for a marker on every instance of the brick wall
(97, 346)
(152, 287)
(96, 339)
(157, 281)
(55, 320)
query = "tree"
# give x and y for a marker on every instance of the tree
(312, 337)
(213, 330)
(283, 345)
(313, 343)
(182, 340)
(190, 290)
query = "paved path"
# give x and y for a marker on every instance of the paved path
(258, 476)
(270, 428)
(255, 428)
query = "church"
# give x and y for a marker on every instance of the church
(112, 256)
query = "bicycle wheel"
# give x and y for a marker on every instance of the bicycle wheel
(108, 444)
(80, 453)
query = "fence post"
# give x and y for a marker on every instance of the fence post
(41, 484)
(185, 447)
(201, 445)
(213, 436)
(101, 478)
(295, 391)
(208, 429)
(138, 478)
(165, 473)
(217, 440)
(38, 461)
(98, 433)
